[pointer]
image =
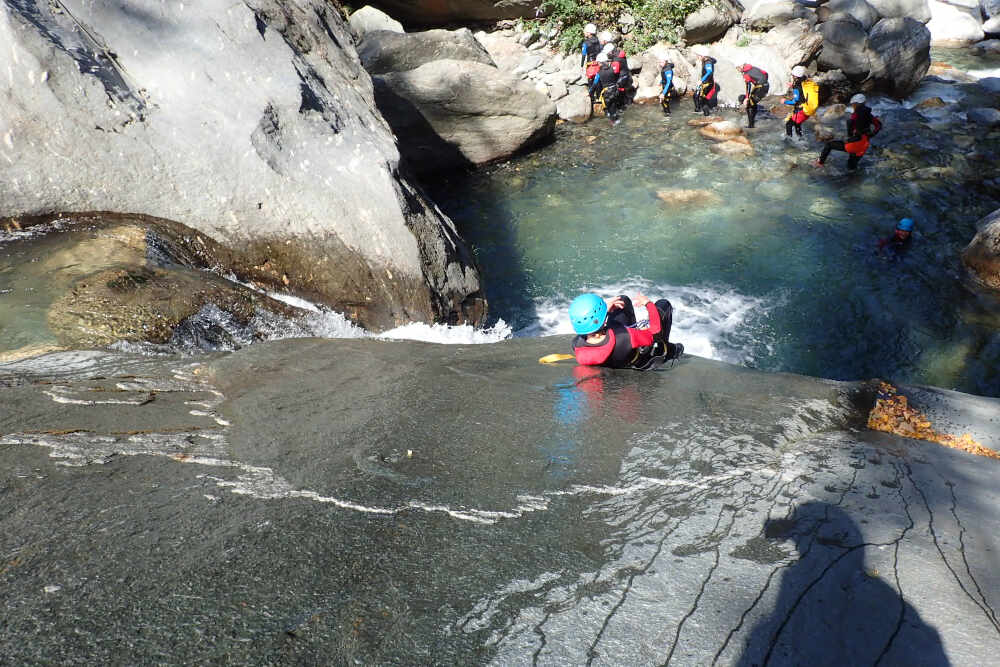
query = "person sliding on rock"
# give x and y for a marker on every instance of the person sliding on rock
(608, 334)
(804, 101)
(605, 89)
(590, 46)
(861, 127)
(667, 81)
(706, 96)
(757, 87)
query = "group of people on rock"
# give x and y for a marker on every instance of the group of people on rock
(610, 84)
(609, 78)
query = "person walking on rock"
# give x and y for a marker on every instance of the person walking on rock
(605, 89)
(804, 101)
(757, 88)
(862, 125)
(609, 335)
(706, 95)
(590, 46)
(667, 83)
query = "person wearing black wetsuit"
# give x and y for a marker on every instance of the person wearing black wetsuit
(620, 344)
(590, 46)
(706, 94)
(861, 126)
(605, 88)
(757, 87)
(625, 85)
(667, 84)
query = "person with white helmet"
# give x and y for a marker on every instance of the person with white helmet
(706, 95)
(862, 125)
(590, 46)
(804, 100)
(605, 89)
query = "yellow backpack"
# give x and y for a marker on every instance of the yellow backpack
(810, 89)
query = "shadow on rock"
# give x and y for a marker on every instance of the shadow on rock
(831, 608)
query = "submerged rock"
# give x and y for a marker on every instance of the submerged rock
(733, 147)
(688, 197)
(982, 255)
(704, 121)
(721, 130)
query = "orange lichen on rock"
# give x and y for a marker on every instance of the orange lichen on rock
(893, 414)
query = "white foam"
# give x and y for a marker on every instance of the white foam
(711, 321)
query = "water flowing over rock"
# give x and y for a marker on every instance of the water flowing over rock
(982, 255)
(451, 113)
(368, 19)
(385, 51)
(258, 128)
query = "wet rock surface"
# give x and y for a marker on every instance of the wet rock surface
(733, 515)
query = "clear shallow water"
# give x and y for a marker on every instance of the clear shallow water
(775, 267)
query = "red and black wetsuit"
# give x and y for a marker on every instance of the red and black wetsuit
(861, 126)
(757, 87)
(626, 346)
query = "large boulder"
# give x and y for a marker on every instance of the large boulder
(795, 41)
(255, 126)
(918, 10)
(844, 48)
(991, 26)
(368, 19)
(575, 107)
(505, 51)
(706, 24)
(767, 14)
(451, 113)
(437, 12)
(955, 22)
(982, 255)
(990, 8)
(383, 51)
(858, 10)
(900, 54)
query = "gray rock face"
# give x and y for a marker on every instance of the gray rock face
(990, 83)
(368, 19)
(900, 55)
(844, 44)
(254, 126)
(990, 8)
(795, 41)
(982, 255)
(765, 14)
(919, 10)
(992, 26)
(859, 10)
(955, 22)
(576, 106)
(451, 113)
(385, 51)
(706, 24)
(435, 12)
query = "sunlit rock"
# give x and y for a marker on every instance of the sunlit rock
(721, 130)
(856, 10)
(931, 103)
(706, 24)
(385, 51)
(982, 255)
(918, 10)
(704, 120)
(368, 19)
(737, 146)
(955, 22)
(575, 107)
(899, 53)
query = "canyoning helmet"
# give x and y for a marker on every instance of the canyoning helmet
(602, 57)
(608, 48)
(587, 313)
(798, 71)
(589, 29)
(905, 225)
(858, 99)
(605, 36)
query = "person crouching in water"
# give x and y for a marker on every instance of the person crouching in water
(757, 87)
(605, 89)
(706, 95)
(607, 334)
(667, 82)
(861, 127)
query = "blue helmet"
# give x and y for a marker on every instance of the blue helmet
(905, 225)
(587, 313)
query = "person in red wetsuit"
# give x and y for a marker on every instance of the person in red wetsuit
(608, 335)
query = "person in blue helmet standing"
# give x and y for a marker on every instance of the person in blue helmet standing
(608, 334)
(900, 240)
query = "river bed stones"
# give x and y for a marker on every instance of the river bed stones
(721, 130)
(737, 146)
(704, 121)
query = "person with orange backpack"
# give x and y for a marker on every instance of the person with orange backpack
(861, 127)
(804, 101)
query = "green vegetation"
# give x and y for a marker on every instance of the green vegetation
(655, 20)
